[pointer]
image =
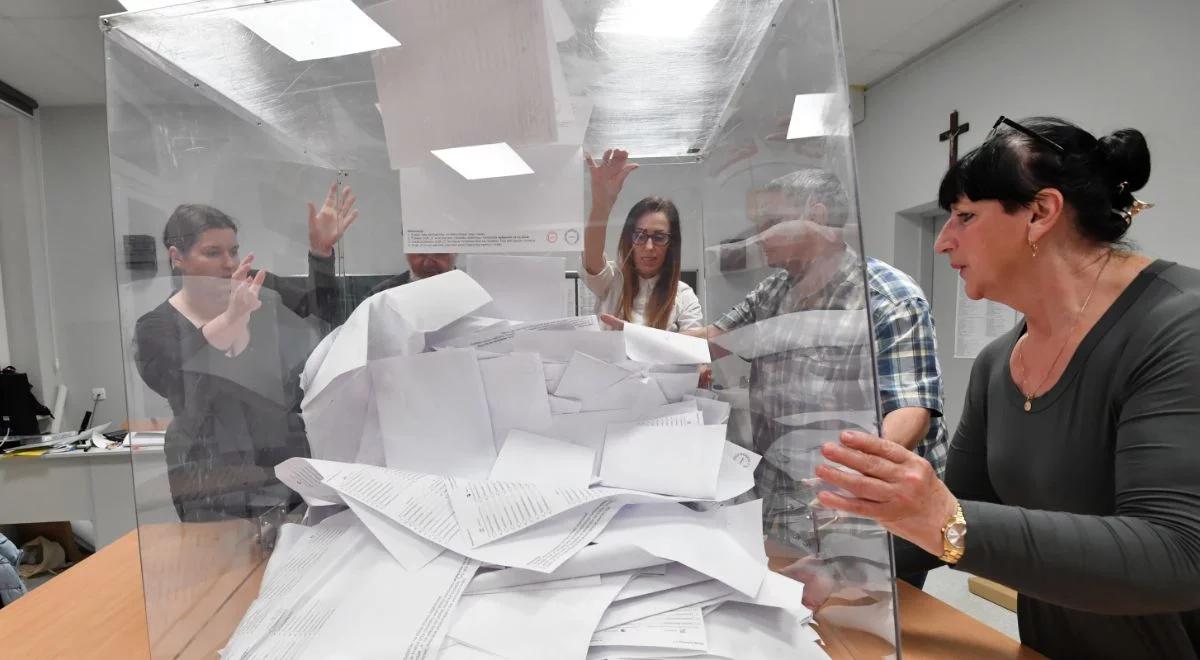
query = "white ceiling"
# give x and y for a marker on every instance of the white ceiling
(52, 50)
(881, 36)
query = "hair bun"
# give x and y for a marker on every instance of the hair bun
(1126, 160)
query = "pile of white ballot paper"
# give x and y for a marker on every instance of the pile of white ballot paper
(517, 490)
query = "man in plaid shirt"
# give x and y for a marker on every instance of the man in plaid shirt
(804, 331)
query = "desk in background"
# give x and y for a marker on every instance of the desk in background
(96, 485)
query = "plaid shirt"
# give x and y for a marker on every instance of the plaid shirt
(816, 378)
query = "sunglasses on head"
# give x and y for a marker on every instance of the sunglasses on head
(1025, 131)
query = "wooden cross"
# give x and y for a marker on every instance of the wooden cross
(952, 135)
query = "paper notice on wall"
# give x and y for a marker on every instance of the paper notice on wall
(978, 322)
(538, 212)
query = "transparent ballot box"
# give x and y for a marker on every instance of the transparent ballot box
(493, 329)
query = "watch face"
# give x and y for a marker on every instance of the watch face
(956, 535)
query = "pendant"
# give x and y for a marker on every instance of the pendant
(1028, 405)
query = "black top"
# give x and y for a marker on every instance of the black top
(1089, 505)
(235, 418)
(392, 282)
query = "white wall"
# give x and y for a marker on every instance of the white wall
(82, 281)
(1104, 64)
(23, 254)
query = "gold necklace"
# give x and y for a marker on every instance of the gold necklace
(1031, 395)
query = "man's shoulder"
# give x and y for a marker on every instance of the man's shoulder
(392, 282)
(779, 280)
(890, 284)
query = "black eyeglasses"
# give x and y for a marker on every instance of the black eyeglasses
(659, 239)
(1017, 127)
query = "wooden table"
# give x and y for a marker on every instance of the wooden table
(97, 610)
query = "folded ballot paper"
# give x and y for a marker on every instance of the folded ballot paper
(508, 488)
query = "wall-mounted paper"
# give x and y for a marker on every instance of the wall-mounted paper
(978, 322)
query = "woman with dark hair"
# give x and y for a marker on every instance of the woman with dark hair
(642, 286)
(1074, 476)
(226, 350)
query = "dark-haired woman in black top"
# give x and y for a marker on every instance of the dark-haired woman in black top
(1074, 476)
(226, 350)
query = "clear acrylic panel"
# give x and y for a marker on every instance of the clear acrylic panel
(463, 147)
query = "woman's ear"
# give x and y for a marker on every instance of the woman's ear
(1047, 208)
(174, 257)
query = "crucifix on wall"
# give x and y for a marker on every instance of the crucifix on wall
(956, 130)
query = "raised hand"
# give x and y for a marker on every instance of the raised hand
(326, 226)
(608, 176)
(244, 289)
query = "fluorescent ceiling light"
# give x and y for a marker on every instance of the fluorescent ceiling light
(315, 29)
(655, 18)
(484, 161)
(814, 115)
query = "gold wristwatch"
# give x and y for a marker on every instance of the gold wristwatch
(954, 537)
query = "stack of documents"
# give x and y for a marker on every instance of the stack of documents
(520, 490)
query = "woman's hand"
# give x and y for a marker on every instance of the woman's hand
(893, 486)
(326, 227)
(608, 177)
(243, 294)
(229, 332)
(612, 322)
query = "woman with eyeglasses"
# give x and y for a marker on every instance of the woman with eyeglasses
(642, 286)
(1074, 476)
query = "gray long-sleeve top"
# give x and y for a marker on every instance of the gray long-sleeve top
(1089, 505)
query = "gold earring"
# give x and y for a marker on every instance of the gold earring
(1033, 248)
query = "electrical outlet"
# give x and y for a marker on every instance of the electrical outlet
(98, 394)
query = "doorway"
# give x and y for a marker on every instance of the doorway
(916, 230)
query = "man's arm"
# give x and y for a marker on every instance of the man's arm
(906, 426)
(709, 332)
(910, 380)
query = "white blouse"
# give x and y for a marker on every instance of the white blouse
(608, 284)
